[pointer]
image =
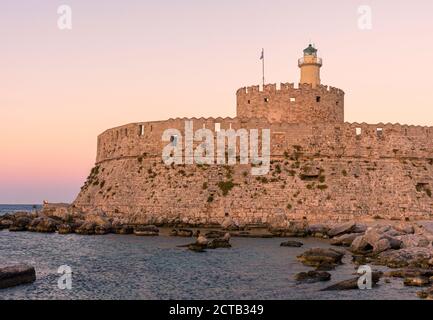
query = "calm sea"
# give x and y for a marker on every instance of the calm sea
(131, 267)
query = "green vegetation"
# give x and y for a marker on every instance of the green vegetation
(226, 186)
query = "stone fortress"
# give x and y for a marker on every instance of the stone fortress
(321, 167)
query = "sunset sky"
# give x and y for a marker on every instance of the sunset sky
(138, 60)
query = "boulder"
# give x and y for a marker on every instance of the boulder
(426, 294)
(318, 256)
(123, 229)
(312, 276)
(215, 234)
(196, 247)
(146, 231)
(6, 221)
(352, 284)
(409, 273)
(202, 240)
(66, 228)
(103, 229)
(360, 245)
(404, 228)
(186, 233)
(16, 275)
(342, 229)
(413, 240)
(43, 224)
(375, 241)
(219, 243)
(381, 246)
(317, 229)
(292, 244)
(418, 281)
(20, 224)
(345, 240)
(410, 257)
(87, 228)
(229, 224)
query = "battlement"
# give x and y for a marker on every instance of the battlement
(286, 103)
(284, 87)
(359, 140)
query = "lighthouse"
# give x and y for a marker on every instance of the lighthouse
(310, 66)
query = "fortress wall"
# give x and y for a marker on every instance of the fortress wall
(324, 140)
(292, 105)
(134, 191)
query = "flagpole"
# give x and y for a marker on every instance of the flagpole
(263, 65)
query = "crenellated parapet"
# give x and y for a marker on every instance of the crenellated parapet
(285, 103)
(360, 140)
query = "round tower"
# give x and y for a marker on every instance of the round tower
(310, 66)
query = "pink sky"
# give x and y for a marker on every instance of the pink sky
(128, 61)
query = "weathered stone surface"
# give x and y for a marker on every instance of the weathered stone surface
(146, 231)
(16, 275)
(293, 244)
(418, 281)
(312, 276)
(319, 256)
(412, 257)
(426, 294)
(414, 240)
(218, 243)
(215, 234)
(186, 233)
(20, 224)
(87, 228)
(352, 284)
(345, 240)
(375, 240)
(409, 273)
(66, 228)
(342, 229)
(404, 228)
(318, 229)
(123, 229)
(43, 224)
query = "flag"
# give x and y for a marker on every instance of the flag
(263, 54)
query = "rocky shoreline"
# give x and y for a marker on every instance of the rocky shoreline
(404, 246)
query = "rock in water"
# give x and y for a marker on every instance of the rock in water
(185, 233)
(312, 276)
(20, 224)
(219, 243)
(342, 229)
(345, 240)
(16, 275)
(319, 256)
(352, 284)
(419, 281)
(426, 294)
(197, 247)
(215, 234)
(292, 244)
(146, 231)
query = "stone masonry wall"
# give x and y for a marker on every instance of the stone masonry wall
(319, 171)
(292, 105)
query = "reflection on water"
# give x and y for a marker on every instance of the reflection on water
(131, 267)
